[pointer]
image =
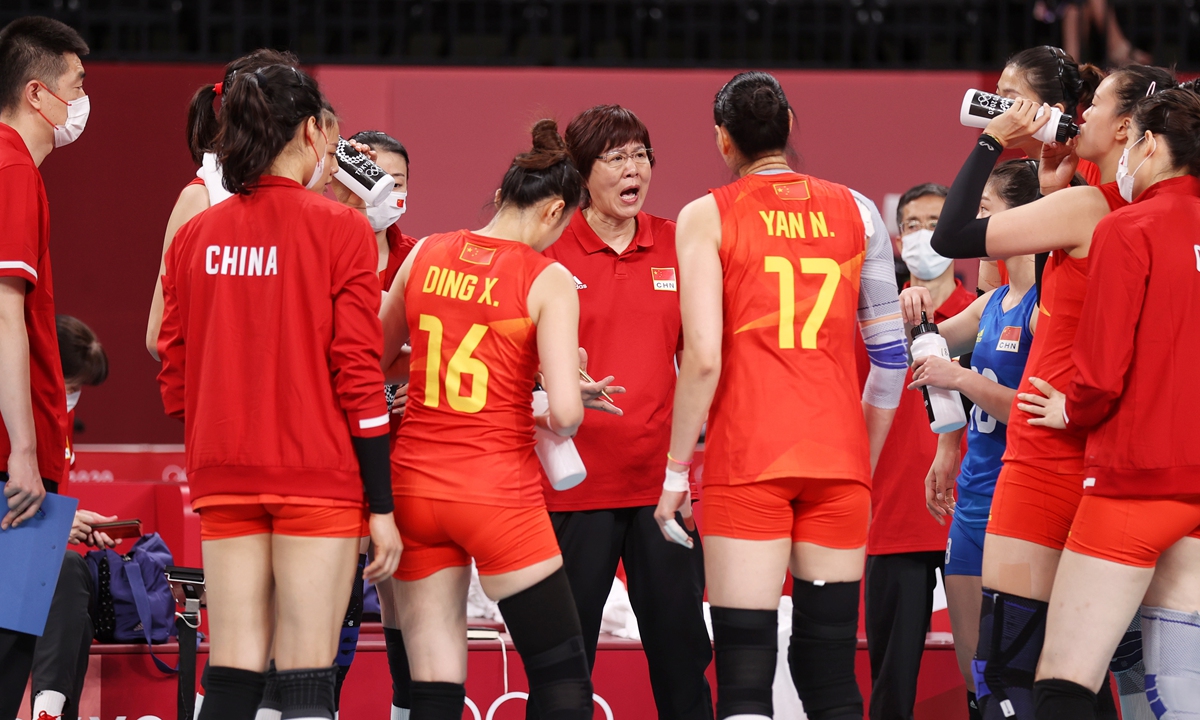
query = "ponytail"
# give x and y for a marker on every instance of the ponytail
(202, 123)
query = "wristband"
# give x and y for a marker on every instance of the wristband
(676, 481)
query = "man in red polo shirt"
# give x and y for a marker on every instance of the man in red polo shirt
(42, 106)
(625, 269)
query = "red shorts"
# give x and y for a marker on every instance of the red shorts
(827, 512)
(439, 534)
(1133, 531)
(1035, 505)
(230, 516)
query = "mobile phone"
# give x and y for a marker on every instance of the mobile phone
(120, 529)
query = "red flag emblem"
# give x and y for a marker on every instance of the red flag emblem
(663, 279)
(1010, 339)
(793, 191)
(477, 254)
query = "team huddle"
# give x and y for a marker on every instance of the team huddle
(359, 404)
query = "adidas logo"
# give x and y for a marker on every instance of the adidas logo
(579, 284)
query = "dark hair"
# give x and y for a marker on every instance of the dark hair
(260, 114)
(202, 115)
(754, 111)
(381, 142)
(545, 171)
(32, 48)
(1015, 182)
(1134, 82)
(600, 129)
(916, 193)
(1175, 116)
(83, 357)
(1057, 78)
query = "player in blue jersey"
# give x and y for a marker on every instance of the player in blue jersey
(997, 329)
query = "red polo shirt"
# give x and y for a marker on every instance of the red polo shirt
(629, 324)
(25, 253)
(900, 522)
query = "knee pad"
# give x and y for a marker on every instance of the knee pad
(438, 700)
(1063, 700)
(746, 644)
(823, 644)
(307, 693)
(231, 693)
(1010, 643)
(1172, 653)
(973, 707)
(1129, 668)
(352, 623)
(398, 666)
(545, 630)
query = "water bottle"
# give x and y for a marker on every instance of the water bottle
(979, 108)
(564, 468)
(361, 176)
(944, 407)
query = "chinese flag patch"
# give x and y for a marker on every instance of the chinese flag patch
(477, 254)
(663, 278)
(792, 191)
(1010, 339)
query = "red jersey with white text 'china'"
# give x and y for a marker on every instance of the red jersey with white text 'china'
(1135, 384)
(788, 403)
(271, 343)
(25, 254)
(467, 432)
(1064, 286)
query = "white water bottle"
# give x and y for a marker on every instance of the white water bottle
(564, 468)
(979, 108)
(944, 407)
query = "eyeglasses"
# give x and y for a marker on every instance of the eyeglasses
(914, 225)
(616, 159)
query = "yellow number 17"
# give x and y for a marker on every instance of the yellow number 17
(787, 298)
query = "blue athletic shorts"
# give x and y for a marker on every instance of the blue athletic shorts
(964, 549)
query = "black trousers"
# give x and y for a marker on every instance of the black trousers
(666, 589)
(60, 660)
(898, 603)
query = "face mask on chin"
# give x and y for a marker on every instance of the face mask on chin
(1124, 177)
(73, 399)
(384, 216)
(319, 170)
(918, 254)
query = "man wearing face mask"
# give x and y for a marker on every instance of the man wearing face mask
(905, 546)
(42, 107)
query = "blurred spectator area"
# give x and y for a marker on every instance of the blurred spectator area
(897, 34)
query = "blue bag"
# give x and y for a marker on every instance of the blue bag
(133, 599)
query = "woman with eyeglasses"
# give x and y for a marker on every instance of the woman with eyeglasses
(624, 265)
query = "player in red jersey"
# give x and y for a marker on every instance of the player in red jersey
(1042, 479)
(773, 270)
(277, 379)
(484, 310)
(1135, 539)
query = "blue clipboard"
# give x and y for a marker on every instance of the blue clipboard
(31, 556)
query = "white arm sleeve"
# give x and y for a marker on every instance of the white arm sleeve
(879, 313)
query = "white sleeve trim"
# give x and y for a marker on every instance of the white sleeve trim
(373, 422)
(18, 265)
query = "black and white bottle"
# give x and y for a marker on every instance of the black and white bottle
(361, 176)
(979, 108)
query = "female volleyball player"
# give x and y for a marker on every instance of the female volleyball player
(997, 329)
(484, 310)
(270, 346)
(1135, 539)
(772, 270)
(1041, 481)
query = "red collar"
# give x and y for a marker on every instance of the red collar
(591, 242)
(10, 136)
(1186, 185)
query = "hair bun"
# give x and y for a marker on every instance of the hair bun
(548, 148)
(764, 103)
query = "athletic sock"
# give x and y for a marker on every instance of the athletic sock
(973, 707)
(400, 713)
(745, 645)
(50, 702)
(397, 657)
(307, 693)
(438, 700)
(232, 693)
(1063, 700)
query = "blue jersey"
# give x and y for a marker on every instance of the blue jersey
(1001, 348)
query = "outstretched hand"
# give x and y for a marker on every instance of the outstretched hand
(593, 392)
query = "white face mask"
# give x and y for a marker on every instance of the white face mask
(77, 117)
(918, 255)
(319, 170)
(385, 215)
(73, 399)
(1124, 177)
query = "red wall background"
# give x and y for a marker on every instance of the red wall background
(112, 191)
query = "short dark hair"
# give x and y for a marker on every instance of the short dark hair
(916, 193)
(381, 142)
(1135, 82)
(754, 111)
(1174, 114)
(202, 115)
(1016, 181)
(32, 48)
(546, 171)
(83, 357)
(599, 129)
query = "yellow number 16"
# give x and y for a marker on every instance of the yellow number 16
(460, 363)
(787, 298)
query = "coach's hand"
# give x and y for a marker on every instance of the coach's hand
(593, 392)
(24, 489)
(386, 540)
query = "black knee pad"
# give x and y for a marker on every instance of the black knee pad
(438, 700)
(823, 645)
(545, 629)
(1063, 700)
(307, 692)
(271, 699)
(746, 644)
(231, 693)
(1010, 643)
(398, 666)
